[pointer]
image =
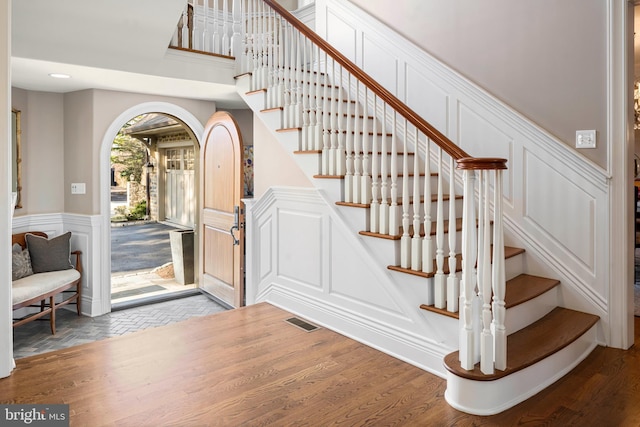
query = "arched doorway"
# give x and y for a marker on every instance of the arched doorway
(153, 215)
(102, 292)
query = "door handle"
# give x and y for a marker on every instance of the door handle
(236, 223)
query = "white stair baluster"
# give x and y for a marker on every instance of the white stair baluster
(416, 241)
(271, 78)
(484, 272)
(439, 278)
(250, 41)
(204, 43)
(304, 88)
(215, 31)
(453, 285)
(427, 242)
(317, 131)
(333, 121)
(326, 108)
(236, 38)
(357, 147)
(279, 97)
(226, 42)
(365, 179)
(286, 108)
(498, 277)
(340, 128)
(405, 240)
(348, 177)
(374, 210)
(384, 178)
(293, 107)
(394, 208)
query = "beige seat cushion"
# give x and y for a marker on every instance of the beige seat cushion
(41, 283)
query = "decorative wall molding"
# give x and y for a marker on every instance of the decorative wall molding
(333, 280)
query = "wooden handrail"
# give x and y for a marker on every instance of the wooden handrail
(414, 118)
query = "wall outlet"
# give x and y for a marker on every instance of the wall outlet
(585, 139)
(78, 188)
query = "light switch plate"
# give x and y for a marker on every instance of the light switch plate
(78, 188)
(585, 139)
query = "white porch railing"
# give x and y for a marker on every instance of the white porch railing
(408, 173)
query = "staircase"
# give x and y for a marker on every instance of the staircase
(416, 212)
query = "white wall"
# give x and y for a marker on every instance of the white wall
(273, 166)
(87, 116)
(545, 58)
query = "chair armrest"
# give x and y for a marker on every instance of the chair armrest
(78, 261)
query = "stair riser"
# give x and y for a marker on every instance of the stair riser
(522, 315)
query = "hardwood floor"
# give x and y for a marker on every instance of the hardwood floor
(249, 367)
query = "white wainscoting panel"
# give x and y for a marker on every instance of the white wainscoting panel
(265, 232)
(322, 270)
(300, 238)
(426, 98)
(342, 36)
(380, 63)
(556, 200)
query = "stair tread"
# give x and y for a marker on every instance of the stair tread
(541, 339)
(525, 287)
(509, 252)
(253, 92)
(519, 290)
(272, 109)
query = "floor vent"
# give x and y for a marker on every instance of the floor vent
(302, 324)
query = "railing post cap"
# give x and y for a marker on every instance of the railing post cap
(481, 163)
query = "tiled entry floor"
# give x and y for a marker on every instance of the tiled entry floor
(35, 337)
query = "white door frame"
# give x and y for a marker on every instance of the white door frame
(619, 166)
(102, 291)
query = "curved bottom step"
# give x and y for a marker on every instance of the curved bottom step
(470, 392)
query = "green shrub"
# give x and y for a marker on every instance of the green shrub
(139, 211)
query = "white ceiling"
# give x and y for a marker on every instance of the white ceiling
(113, 45)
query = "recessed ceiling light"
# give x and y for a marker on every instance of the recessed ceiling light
(59, 75)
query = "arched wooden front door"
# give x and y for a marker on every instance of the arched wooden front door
(222, 229)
